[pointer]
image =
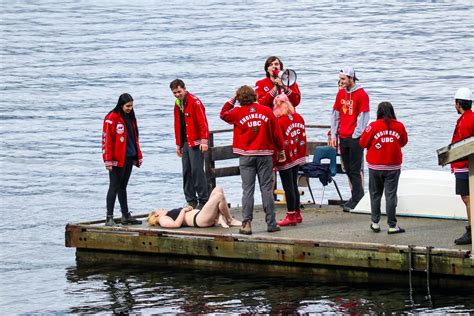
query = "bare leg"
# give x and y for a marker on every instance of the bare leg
(465, 199)
(215, 206)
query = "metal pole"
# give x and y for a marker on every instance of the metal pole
(471, 194)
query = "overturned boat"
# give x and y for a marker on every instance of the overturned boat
(423, 193)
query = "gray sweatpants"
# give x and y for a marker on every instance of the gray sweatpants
(261, 166)
(380, 180)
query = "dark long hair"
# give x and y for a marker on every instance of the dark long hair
(385, 111)
(123, 99)
(270, 60)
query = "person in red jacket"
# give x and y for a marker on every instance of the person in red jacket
(191, 132)
(294, 135)
(384, 140)
(349, 118)
(464, 129)
(120, 151)
(256, 137)
(269, 87)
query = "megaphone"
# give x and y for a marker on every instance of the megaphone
(287, 76)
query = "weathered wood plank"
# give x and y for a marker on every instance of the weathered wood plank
(270, 250)
(456, 151)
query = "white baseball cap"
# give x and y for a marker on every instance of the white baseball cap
(348, 71)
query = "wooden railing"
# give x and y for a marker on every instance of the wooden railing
(218, 153)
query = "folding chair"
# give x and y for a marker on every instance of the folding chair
(323, 174)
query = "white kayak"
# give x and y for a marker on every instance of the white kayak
(423, 193)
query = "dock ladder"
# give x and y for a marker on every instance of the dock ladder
(427, 270)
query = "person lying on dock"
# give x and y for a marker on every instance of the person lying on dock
(215, 211)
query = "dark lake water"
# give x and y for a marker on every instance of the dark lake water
(64, 64)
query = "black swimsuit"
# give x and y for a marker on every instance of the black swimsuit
(174, 213)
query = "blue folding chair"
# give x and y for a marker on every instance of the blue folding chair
(325, 175)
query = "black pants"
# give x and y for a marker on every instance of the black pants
(289, 180)
(119, 177)
(380, 181)
(351, 155)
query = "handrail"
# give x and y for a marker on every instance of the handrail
(218, 153)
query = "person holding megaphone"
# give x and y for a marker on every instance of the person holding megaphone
(277, 81)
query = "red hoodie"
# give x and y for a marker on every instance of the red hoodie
(350, 105)
(384, 145)
(256, 130)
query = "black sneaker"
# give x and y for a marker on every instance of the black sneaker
(127, 219)
(347, 208)
(272, 229)
(465, 239)
(110, 221)
(395, 230)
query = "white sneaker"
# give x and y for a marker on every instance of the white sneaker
(375, 227)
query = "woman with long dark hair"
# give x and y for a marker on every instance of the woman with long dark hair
(384, 140)
(120, 151)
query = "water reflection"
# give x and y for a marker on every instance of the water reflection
(126, 289)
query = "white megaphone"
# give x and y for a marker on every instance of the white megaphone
(287, 76)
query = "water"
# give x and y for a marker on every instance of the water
(64, 64)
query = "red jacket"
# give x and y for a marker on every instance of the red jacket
(256, 131)
(464, 129)
(197, 128)
(384, 146)
(114, 140)
(294, 140)
(265, 94)
(350, 105)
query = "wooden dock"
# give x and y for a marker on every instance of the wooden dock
(328, 245)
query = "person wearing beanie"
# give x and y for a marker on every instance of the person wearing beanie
(464, 129)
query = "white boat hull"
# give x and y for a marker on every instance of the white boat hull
(423, 193)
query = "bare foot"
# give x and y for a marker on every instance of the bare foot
(222, 222)
(234, 223)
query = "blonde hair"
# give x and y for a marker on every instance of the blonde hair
(282, 106)
(152, 219)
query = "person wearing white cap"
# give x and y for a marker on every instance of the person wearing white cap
(464, 129)
(350, 116)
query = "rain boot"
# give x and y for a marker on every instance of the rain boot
(299, 218)
(289, 220)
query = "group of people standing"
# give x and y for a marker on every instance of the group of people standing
(268, 134)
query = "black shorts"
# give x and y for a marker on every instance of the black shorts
(462, 187)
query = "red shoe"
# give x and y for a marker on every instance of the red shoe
(299, 219)
(289, 220)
